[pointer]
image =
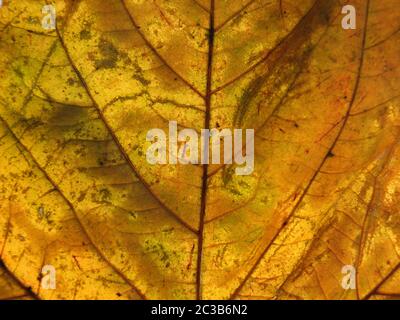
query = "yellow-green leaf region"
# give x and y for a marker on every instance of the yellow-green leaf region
(77, 193)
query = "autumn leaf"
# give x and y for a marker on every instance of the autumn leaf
(10, 288)
(76, 190)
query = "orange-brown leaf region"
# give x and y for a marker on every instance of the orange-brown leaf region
(77, 192)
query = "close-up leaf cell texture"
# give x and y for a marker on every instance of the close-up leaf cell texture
(78, 194)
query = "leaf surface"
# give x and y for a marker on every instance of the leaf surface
(77, 192)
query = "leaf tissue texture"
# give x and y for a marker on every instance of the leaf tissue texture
(76, 190)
